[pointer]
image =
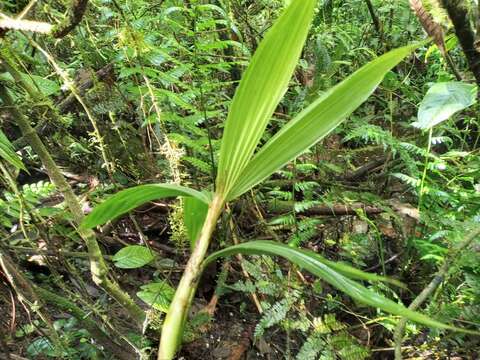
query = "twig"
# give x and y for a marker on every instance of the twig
(431, 287)
(244, 272)
(75, 14)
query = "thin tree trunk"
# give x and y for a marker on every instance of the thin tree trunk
(376, 21)
(98, 266)
(458, 12)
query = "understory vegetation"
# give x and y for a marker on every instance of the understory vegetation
(237, 179)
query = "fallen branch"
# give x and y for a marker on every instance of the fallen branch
(365, 169)
(102, 74)
(277, 207)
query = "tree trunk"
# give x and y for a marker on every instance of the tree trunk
(458, 13)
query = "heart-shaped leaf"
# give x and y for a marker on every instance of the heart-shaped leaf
(442, 101)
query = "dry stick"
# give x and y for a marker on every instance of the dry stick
(210, 308)
(54, 253)
(281, 206)
(26, 9)
(477, 22)
(244, 272)
(26, 294)
(431, 287)
(98, 266)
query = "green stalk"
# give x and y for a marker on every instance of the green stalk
(425, 169)
(172, 329)
(98, 266)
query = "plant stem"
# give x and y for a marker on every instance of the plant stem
(177, 313)
(431, 287)
(98, 266)
(375, 19)
(425, 169)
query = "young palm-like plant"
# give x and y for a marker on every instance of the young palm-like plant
(243, 166)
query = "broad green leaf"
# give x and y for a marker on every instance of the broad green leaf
(194, 214)
(317, 120)
(133, 257)
(158, 295)
(261, 89)
(442, 101)
(47, 87)
(127, 200)
(313, 263)
(7, 153)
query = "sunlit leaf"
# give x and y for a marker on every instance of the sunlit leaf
(311, 262)
(442, 101)
(127, 200)
(317, 120)
(261, 89)
(133, 257)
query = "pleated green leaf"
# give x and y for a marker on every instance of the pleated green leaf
(261, 89)
(194, 214)
(317, 120)
(323, 268)
(127, 200)
(7, 153)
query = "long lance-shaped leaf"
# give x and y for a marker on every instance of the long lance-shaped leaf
(8, 153)
(317, 120)
(261, 89)
(127, 200)
(311, 262)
